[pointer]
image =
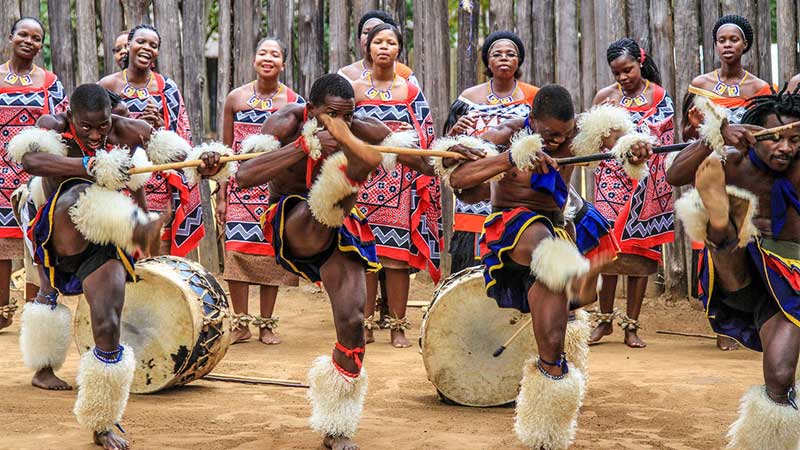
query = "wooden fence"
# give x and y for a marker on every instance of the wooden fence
(565, 42)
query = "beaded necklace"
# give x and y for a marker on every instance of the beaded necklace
(639, 100)
(732, 89)
(493, 99)
(131, 91)
(373, 92)
(258, 102)
(13, 78)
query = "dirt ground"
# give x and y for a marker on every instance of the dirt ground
(679, 393)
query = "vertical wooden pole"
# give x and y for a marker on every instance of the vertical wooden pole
(745, 8)
(709, 14)
(281, 23)
(638, 16)
(544, 45)
(111, 23)
(588, 54)
(87, 41)
(339, 35)
(309, 25)
(468, 49)
(61, 51)
(662, 36)
(609, 26)
(525, 32)
(224, 60)
(501, 15)
(245, 38)
(10, 14)
(136, 12)
(763, 49)
(168, 23)
(30, 8)
(418, 57)
(787, 40)
(567, 48)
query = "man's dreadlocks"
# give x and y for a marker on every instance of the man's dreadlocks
(781, 103)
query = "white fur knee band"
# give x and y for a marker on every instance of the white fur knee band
(104, 217)
(621, 153)
(45, 335)
(228, 170)
(167, 146)
(525, 147)
(711, 128)
(402, 139)
(331, 187)
(692, 213)
(103, 390)
(764, 424)
(31, 140)
(598, 123)
(546, 414)
(337, 401)
(556, 262)
(259, 143)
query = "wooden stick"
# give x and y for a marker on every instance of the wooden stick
(775, 130)
(245, 157)
(253, 380)
(508, 342)
(606, 156)
(678, 333)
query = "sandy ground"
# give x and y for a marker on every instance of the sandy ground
(678, 393)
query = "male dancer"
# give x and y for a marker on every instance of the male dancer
(745, 208)
(84, 235)
(531, 263)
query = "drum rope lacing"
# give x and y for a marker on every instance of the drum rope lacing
(7, 311)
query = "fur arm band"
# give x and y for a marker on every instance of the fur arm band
(166, 146)
(31, 140)
(598, 123)
(259, 143)
(556, 262)
(404, 139)
(525, 147)
(104, 217)
(228, 170)
(312, 145)
(711, 128)
(743, 207)
(331, 187)
(445, 143)
(110, 168)
(621, 152)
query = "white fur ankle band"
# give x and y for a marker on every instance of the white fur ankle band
(621, 152)
(32, 140)
(764, 424)
(331, 187)
(525, 147)
(228, 170)
(103, 390)
(336, 401)
(167, 146)
(598, 123)
(45, 335)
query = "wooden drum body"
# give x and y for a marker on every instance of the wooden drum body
(460, 332)
(176, 319)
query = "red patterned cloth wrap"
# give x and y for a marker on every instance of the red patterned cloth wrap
(641, 211)
(404, 207)
(20, 107)
(187, 227)
(353, 238)
(246, 206)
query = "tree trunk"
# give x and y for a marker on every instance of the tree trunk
(588, 56)
(544, 45)
(168, 24)
(418, 56)
(567, 48)
(11, 13)
(309, 25)
(639, 22)
(663, 43)
(339, 35)
(111, 22)
(763, 47)
(745, 8)
(245, 35)
(87, 41)
(468, 48)
(709, 14)
(525, 32)
(281, 21)
(501, 14)
(787, 40)
(136, 12)
(61, 50)
(224, 61)
(30, 8)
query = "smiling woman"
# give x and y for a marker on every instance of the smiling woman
(27, 92)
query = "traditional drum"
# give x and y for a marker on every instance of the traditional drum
(176, 318)
(460, 331)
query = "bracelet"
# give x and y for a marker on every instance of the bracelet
(88, 165)
(511, 160)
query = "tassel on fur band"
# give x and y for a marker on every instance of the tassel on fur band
(103, 390)
(337, 401)
(45, 335)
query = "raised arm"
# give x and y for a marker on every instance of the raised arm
(373, 131)
(685, 166)
(282, 125)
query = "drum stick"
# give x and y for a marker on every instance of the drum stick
(678, 333)
(254, 380)
(508, 342)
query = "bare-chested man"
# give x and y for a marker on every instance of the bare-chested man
(83, 235)
(745, 208)
(318, 235)
(531, 263)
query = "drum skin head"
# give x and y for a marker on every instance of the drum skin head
(460, 332)
(163, 322)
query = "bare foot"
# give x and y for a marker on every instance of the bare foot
(240, 335)
(339, 443)
(369, 336)
(46, 379)
(399, 339)
(710, 183)
(633, 340)
(145, 235)
(267, 336)
(726, 344)
(602, 329)
(110, 441)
